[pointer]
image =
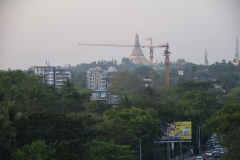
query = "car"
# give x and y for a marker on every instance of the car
(219, 146)
(213, 144)
(199, 158)
(220, 149)
(209, 153)
(207, 145)
(217, 155)
(215, 150)
(214, 147)
(211, 140)
(223, 151)
(204, 156)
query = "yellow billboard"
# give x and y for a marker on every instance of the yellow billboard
(182, 130)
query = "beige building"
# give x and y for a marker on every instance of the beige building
(97, 77)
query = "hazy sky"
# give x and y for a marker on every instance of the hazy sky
(32, 31)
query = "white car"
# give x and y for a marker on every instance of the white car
(199, 158)
(209, 153)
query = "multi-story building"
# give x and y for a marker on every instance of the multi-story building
(96, 77)
(53, 75)
(61, 74)
(46, 72)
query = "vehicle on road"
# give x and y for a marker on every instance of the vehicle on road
(204, 156)
(217, 155)
(209, 153)
(213, 147)
(199, 158)
(207, 145)
(223, 151)
(215, 150)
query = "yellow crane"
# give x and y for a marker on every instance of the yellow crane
(151, 47)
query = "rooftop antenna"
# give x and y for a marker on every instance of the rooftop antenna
(205, 60)
(47, 63)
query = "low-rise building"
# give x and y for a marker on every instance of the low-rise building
(104, 96)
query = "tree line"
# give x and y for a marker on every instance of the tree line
(39, 122)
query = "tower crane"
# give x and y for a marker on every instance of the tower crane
(151, 47)
(166, 54)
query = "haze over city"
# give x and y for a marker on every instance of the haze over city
(32, 31)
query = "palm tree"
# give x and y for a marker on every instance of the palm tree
(10, 117)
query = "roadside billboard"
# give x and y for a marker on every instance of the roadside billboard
(177, 131)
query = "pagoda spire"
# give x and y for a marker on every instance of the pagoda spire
(137, 55)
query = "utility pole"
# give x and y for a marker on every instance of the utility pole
(140, 152)
(199, 148)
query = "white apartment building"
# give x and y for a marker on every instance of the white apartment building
(111, 69)
(61, 74)
(46, 72)
(53, 75)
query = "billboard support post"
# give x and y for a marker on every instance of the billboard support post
(172, 149)
(168, 143)
(180, 146)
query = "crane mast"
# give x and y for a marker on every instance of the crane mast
(151, 47)
(166, 54)
(205, 60)
(151, 60)
(236, 60)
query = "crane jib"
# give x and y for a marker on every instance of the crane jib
(115, 45)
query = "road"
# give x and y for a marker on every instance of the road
(194, 158)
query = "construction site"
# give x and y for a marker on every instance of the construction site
(138, 58)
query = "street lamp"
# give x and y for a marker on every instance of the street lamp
(147, 81)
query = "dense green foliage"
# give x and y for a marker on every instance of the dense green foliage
(36, 150)
(108, 150)
(62, 123)
(226, 123)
